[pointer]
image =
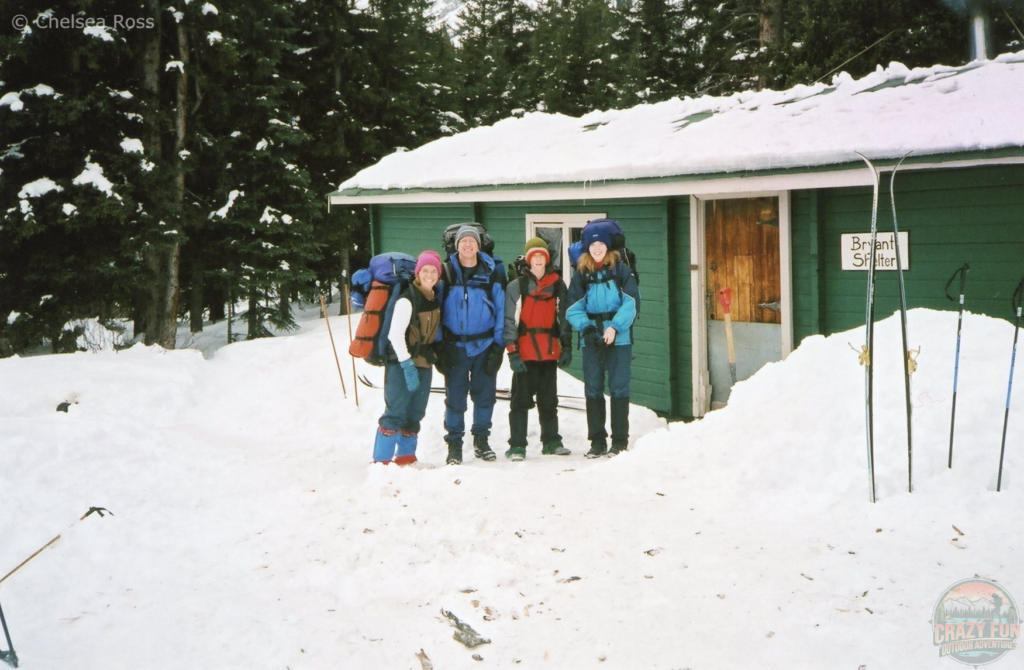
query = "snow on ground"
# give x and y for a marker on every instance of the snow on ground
(251, 531)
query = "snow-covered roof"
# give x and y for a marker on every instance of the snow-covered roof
(930, 111)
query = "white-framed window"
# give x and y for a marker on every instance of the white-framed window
(559, 231)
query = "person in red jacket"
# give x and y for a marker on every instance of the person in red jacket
(538, 340)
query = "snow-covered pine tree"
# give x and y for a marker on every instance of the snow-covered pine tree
(663, 44)
(260, 220)
(332, 62)
(576, 55)
(71, 161)
(409, 99)
(494, 50)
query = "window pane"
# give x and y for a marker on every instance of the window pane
(553, 236)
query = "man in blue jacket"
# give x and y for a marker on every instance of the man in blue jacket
(473, 317)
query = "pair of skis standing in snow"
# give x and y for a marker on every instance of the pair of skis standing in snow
(909, 359)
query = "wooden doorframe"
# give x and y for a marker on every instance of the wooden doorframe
(701, 381)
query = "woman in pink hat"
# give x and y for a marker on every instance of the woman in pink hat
(415, 327)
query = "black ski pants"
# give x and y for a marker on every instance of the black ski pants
(540, 382)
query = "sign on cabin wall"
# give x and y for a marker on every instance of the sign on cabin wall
(856, 250)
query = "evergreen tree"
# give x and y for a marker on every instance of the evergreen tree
(578, 54)
(494, 51)
(663, 51)
(70, 166)
(332, 62)
(260, 224)
(408, 99)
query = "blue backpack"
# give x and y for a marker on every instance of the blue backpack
(618, 238)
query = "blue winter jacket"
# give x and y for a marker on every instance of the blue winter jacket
(610, 298)
(472, 315)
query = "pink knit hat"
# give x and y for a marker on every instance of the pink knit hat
(428, 257)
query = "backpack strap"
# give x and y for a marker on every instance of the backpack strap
(552, 331)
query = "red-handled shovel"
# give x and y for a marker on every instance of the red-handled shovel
(725, 299)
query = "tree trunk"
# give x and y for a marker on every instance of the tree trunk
(196, 301)
(770, 35)
(253, 319)
(342, 303)
(216, 304)
(162, 260)
(148, 312)
(231, 313)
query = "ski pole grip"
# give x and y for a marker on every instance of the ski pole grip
(1018, 297)
(962, 271)
(725, 298)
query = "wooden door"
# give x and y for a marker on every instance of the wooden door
(743, 254)
(742, 247)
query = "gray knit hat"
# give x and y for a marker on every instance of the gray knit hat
(467, 230)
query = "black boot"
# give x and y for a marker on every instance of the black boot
(620, 425)
(598, 448)
(481, 449)
(454, 452)
(595, 419)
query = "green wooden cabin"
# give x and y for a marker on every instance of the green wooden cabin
(787, 241)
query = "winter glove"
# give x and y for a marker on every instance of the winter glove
(516, 362)
(592, 338)
(493, 364)
(566, 358)
(444, 359)
(412, 377)
(428, 352)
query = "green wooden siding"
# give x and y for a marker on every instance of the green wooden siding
(971, 215)
(413, 228)
(681, 337)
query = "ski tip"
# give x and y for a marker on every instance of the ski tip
(869, 163)
(900, 162)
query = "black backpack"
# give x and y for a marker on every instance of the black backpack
(448, 238)
(486, 247)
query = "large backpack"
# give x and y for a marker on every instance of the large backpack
(618, 239)
(389, 274)
(486, 247)
(448, 238)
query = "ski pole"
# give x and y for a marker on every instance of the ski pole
(907, 370)
(323, 308)
(348, 314)
(956, 361)
(1018, 304)
(8, 656)
(869, 325)
(98, 510)
(725, 298)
